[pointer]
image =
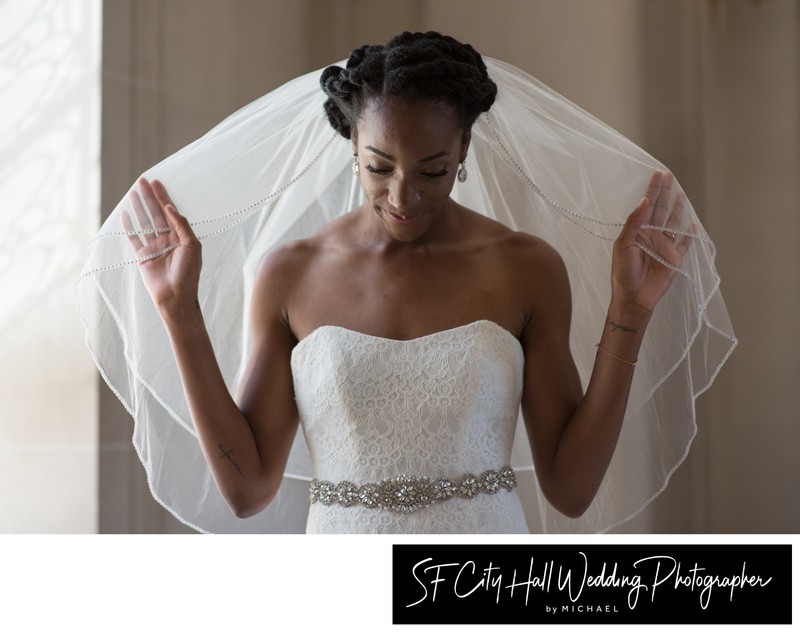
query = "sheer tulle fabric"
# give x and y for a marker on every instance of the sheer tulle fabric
(275, 171)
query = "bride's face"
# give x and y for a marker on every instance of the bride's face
(408, 155)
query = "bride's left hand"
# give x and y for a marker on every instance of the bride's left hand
(636, 277)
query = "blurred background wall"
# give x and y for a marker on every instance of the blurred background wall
(710, 87)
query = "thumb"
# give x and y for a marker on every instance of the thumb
(179, 224)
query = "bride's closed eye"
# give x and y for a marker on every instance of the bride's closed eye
(381, 172)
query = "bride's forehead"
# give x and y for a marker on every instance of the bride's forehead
(394, 115)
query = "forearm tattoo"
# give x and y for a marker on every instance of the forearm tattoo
(617, 326)
(227, 455)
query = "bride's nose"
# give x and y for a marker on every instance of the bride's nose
(402, 194)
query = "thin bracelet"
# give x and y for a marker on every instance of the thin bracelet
(616, 356)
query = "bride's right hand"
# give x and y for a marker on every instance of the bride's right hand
(168, 251)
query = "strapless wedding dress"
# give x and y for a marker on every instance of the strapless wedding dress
(442, 407)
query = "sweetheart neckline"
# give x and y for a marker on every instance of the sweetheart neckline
(425, 337)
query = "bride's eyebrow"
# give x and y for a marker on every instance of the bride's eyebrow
(391, 158)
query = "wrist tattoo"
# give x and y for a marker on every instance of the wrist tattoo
(228, 456)
(617, 326)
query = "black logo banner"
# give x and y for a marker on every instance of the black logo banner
(604, 584)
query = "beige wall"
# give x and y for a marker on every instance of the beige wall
(751, 159)
(709, 87)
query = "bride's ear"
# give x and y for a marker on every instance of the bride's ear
(465, 140)
(354, 140)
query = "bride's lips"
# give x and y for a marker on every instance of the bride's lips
(404, 220)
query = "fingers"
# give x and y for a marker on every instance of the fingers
(154, 206)
(171, 216)
(672, 225)
(668, 218)
(633, 224)
(682, 245)
(659, 190)
(673, 233)
(641, 211)
(676, 214)
(179, 224)
(155, 215)
(151, 205)
(159, 227)
(146, 229)
(160, 191)
(657, 224)
(133, 237)
(653, 189)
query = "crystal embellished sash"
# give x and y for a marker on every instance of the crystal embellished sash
(411, 493)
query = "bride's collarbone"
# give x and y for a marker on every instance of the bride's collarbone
(407, 317)
(406, 299)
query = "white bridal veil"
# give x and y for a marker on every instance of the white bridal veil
(276, 171)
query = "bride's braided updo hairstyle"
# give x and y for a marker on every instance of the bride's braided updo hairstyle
(411, 66)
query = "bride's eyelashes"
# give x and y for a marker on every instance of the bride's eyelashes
(383, 172)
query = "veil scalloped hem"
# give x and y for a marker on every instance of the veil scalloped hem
(275, 171)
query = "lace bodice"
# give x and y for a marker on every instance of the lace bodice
(439, 406)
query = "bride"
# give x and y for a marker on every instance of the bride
(406, 335)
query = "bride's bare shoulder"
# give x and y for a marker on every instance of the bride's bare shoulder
(287, 263)
(516, 246)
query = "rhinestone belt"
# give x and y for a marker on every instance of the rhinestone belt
(410, 493)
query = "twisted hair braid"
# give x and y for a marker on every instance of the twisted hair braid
(410, 66)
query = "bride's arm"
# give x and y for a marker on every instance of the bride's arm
(246, 448)
(246, 445)
(573, 435)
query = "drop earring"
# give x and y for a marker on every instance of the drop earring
(355, 165)
(462, 172)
